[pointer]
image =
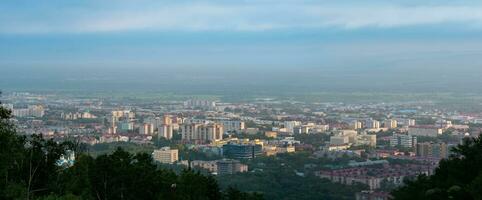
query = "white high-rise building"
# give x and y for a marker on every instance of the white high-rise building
(36, 110)
(373, 124)
(356, 124)
(202, 132)
(233, 125)
(391, 123)
(410, 122)
(165, 131)
(146, 129)
(31, 111)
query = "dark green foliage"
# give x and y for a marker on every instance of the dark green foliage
(276, 178)
(28, 170)
(459, 177)
(235, 194)
(122, 175)
(27, 166)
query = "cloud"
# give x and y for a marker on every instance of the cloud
(221, 16)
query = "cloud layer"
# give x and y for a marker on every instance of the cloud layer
(121, 16)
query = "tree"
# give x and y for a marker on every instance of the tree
(459, 177)
(28, 165)
(29, 170)
(10, 155)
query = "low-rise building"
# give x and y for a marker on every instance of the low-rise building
(374, 176)
(271, 134)
(427, 131)
(210, 166)
(166, 155)
(366, 140)
(339, 140)
(403, 140)
(227, 166)
(242, 151)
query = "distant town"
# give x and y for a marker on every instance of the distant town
(372, 147)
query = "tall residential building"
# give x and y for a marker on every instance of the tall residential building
(21, 112)
(202, 132)
(166, 155)
(391, 123)
(167, 120)
(410, 122)
(403, 140)
(190, 131)
(356, 125)
(301, 129)
(122, 120)
(125, 114)
(36, 110)
(433, 150)
(146, 129)
(155, 121)
(112, 130)
(31, 111)
(373, 124)
(165, 131)
(233, 125)
(126, 126)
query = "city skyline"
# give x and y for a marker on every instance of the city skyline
(231, 100)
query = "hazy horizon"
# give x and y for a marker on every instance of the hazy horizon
(216, 46)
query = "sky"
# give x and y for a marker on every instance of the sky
(76, 39)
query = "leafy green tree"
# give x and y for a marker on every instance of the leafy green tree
(28, 170)
(10, 154)
(28, 165)
(459, 177)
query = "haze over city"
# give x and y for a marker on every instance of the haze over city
(240, 100)
(411, 46)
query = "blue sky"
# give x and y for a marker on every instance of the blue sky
(265, 33)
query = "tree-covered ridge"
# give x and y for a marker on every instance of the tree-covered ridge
(459, 177)
(28, 170)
